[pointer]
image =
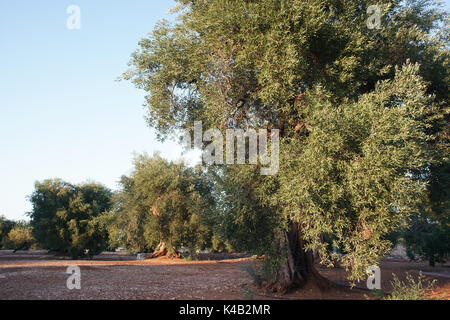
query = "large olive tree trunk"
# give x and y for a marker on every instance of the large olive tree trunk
(298, 266)
(162, 251)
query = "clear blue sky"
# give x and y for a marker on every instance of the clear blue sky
(62, 114)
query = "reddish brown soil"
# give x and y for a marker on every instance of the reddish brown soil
(38, 275)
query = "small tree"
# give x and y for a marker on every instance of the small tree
(5, 227)
(66, 217)
(20, 237)
(427, 238)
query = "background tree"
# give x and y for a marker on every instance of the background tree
(161, 207)
(359, 110)
(5, 227)
(243, 216)
(428, 239)
(428, 230)
(20, 237)
(66, 217)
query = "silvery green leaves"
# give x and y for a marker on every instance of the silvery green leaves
(374, 19)
(352, 176)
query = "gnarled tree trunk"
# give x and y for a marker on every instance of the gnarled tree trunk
(162, 251)
(298, 268)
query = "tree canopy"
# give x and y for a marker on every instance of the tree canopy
(162, 206)
(5, 227)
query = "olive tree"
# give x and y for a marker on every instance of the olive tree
(359, 111)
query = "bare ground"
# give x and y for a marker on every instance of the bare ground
(38, 275)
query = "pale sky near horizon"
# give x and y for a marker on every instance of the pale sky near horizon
(62, 114)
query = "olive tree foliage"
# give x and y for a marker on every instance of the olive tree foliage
(15, 235)
(360, 112)
(20, 237)
(6, 226)
(162, 205)
(352, 175)
(427, 233)
(68, 218)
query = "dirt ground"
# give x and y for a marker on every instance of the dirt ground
(39, 275)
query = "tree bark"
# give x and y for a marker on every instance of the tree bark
(160, 251)
(431, 261)
(298, 268)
